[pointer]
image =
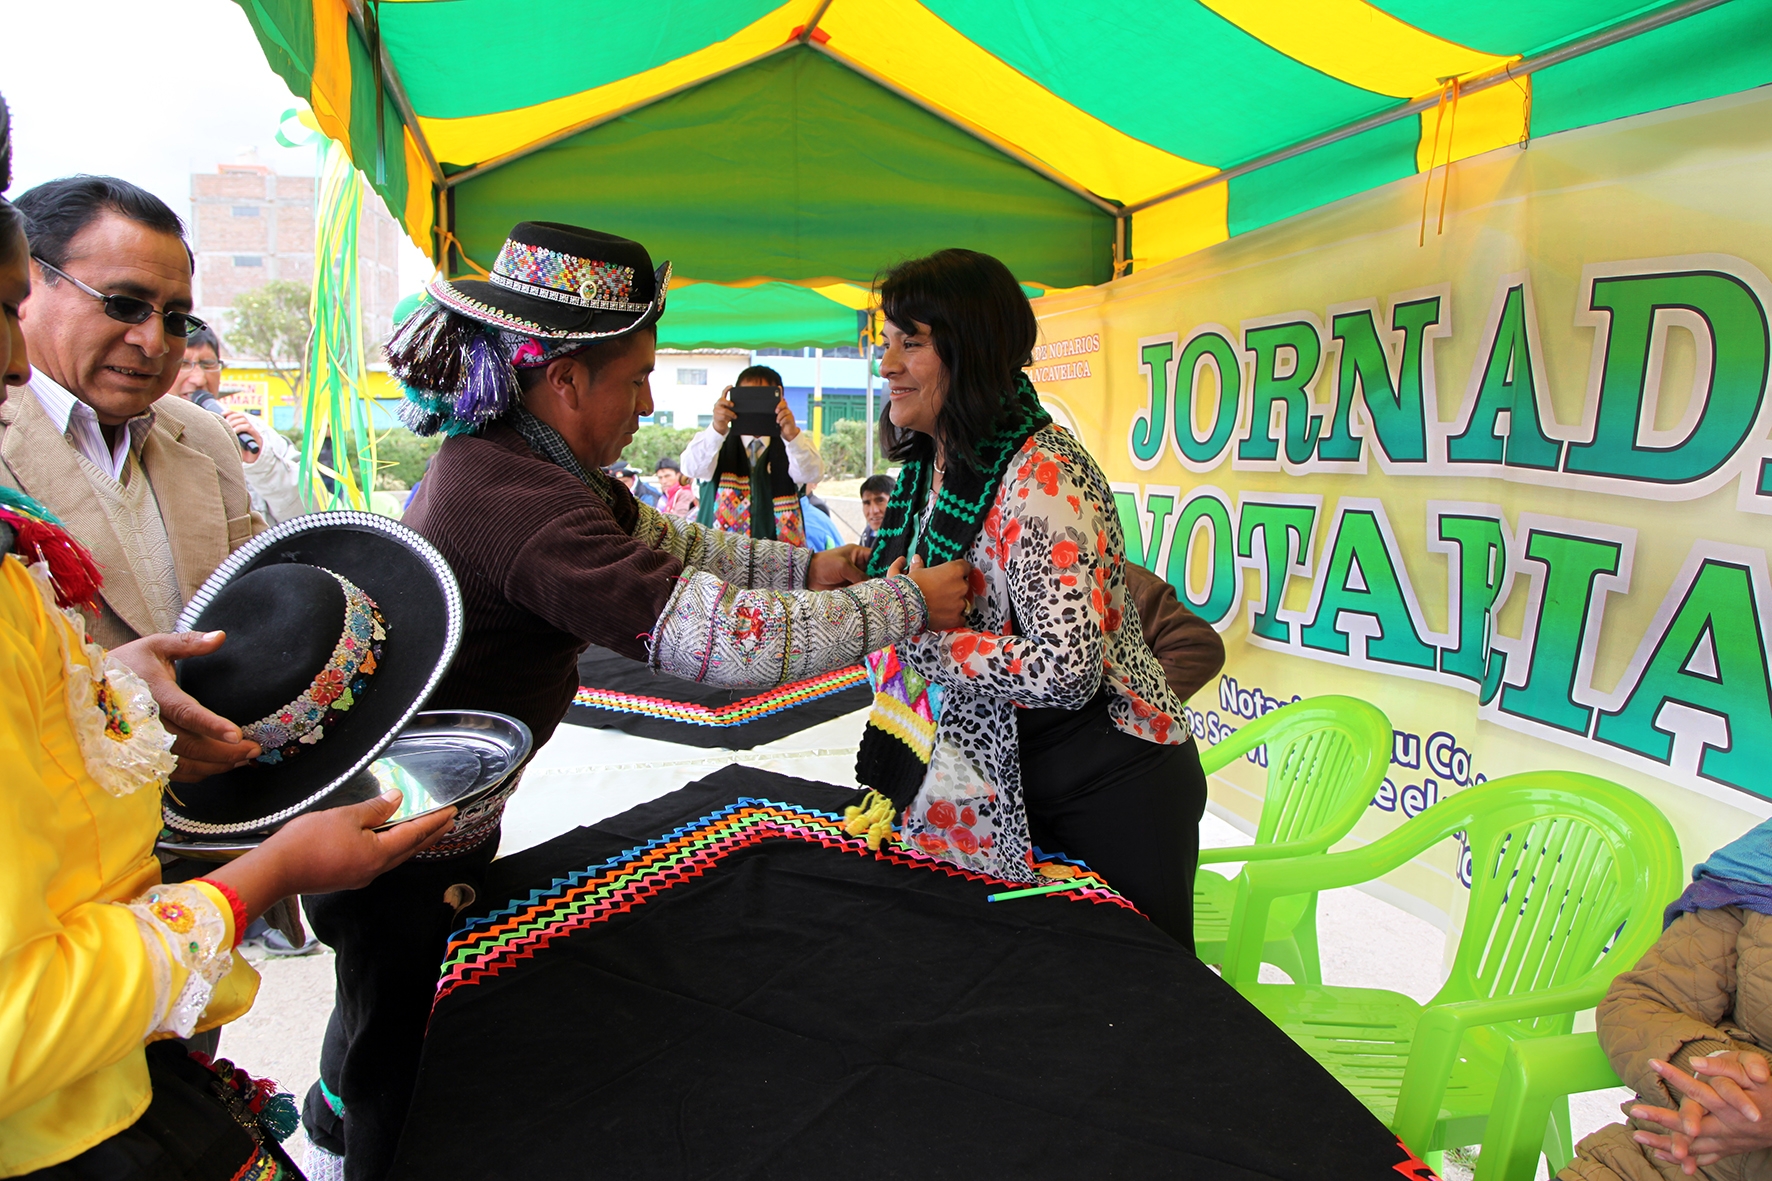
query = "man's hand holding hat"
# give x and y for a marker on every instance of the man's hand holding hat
(206, 743)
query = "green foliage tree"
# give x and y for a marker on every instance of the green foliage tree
(401, 457)
(271, 324)
(652, 441)
(843, 447)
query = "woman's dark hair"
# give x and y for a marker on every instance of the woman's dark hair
(12, 223)
(57, 210)
(759, 374)
(984, 332)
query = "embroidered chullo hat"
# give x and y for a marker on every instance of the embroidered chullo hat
(554, 290)
(339, 626)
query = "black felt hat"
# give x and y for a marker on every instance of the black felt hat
(561, 282)
(339, 627)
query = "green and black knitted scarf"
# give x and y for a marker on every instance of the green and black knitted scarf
(965, 496)
(886, 762)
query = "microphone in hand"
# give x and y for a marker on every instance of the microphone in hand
(214, 405)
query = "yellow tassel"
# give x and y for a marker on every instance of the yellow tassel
(873, 817)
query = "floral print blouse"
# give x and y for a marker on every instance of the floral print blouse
(1050, 625)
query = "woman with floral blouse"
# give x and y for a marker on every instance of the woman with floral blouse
(1044, 720)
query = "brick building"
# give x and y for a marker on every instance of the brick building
(250, 225)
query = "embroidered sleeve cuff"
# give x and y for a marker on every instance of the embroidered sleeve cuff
(188, 932)
(714, 632)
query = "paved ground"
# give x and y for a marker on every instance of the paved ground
(583, 775)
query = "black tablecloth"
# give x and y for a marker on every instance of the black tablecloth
(632, 697)
(734, 988)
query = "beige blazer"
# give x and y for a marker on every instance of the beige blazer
(193, 466)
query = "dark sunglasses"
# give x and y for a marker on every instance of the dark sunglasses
(127, 309)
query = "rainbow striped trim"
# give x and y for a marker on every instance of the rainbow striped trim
(597, 894)
(736, 714)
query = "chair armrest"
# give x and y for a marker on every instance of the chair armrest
(1442, 1027)
(1278, 851)
(1227, 751)
(1535, 1073)
(1261, 882)
(1585, 993)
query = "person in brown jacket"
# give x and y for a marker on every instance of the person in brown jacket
(1187, 647)
(1687, 1030)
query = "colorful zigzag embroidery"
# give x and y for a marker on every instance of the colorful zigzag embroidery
(737, 714)
(489, 945)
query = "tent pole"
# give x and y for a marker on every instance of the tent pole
(390, 79)
(811, 26)
(867, 416)
(1496, 77)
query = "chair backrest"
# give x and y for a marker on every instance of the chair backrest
(1326, 757)
(1566, 870)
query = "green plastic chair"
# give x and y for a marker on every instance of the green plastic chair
(1569, 877)
(1326, 760)
(1531, 1110)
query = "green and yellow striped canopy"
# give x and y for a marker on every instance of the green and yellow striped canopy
(813, 142)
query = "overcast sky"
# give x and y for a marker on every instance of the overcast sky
(150, 92)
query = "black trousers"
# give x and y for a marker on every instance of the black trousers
(1128, 808)
(389, 938)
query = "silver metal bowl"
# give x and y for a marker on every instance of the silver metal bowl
(443, 758)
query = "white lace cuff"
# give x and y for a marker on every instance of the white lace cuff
(181, 925)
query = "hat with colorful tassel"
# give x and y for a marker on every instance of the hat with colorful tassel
(555, 290)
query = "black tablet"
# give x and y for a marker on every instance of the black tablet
(756, 409)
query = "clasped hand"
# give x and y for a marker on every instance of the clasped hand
(1719, 1116)
(946, 589)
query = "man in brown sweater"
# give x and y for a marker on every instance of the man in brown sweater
(539, 377)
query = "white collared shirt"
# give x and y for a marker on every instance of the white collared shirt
(80, 426)
(702, 456)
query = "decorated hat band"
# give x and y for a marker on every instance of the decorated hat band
(565, 278)
(283, 732)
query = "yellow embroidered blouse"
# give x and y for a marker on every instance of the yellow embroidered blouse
(85, 977)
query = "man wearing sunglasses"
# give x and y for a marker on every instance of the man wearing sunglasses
(153, 486)
(273, 476)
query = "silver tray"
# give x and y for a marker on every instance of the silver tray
(442, 759)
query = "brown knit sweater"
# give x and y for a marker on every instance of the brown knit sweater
(544, 569)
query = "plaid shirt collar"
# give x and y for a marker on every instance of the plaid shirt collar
(548, 443)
